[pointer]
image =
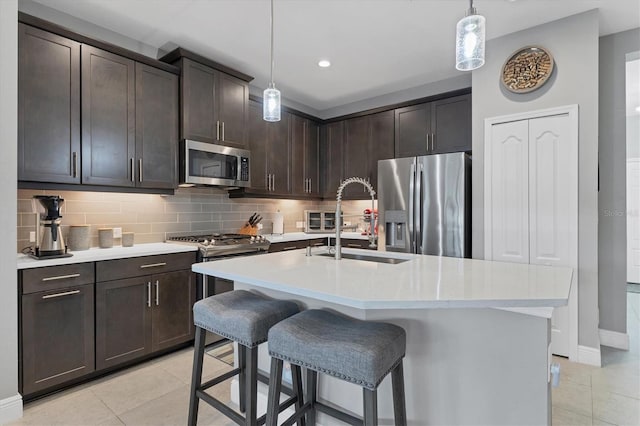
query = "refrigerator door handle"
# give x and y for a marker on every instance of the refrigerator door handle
(412, 193)
(418, 210)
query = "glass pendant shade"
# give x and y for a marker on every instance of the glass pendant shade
(470, 35)
(271, 104)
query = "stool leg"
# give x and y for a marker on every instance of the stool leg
(251, 386)
(196, 375)
(399, 404)
(312, 386)
(273, 400)
(370, 398)
(242, 364)
(296, 376)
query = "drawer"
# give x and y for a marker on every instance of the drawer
(55, 277)
(317, 242)
(108, 270)
(352, 243)
(289, 245)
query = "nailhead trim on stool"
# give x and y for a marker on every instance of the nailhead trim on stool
(360, 352)
(245, 318)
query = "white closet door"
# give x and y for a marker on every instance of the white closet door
(510, 192)
(633, 220)
(553, 207)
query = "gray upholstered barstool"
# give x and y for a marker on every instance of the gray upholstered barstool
(360, 352)
(245, 318)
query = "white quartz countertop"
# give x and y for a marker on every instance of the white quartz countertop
(421, 282)
(297, 236)
(96, 254)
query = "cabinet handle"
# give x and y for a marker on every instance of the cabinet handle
(65, 293)
(61, 277)
(218, 130)
(289, 248)
(428, 141)
(132, 171)
(149, 294)
(273, 182)
(74, 166)
(318, 244)
(153, 265)
(354, 245)
(140, 169)
(157, 293)
(223, 130)
(433, 141)
(310, 185)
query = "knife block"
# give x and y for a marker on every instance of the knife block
(248, 230)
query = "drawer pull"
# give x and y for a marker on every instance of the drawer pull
(149, 294)
(157, 293)
(319, 244)
(153, 265)
(66, 293)
(289, 248)
(354, 245)
(61, 277)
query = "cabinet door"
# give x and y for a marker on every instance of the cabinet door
(156, 128)
(299, 185)
(198, 102)
(48, 107)
(108, 118)
(57, 337)
(356, 155)
(311, 159)
(278, 154)
(258, 144)
(233, 110)
(332, 158)
(381, 134)
(451, 125)
(123, 320)
(411, 129)
(509, 192)
(174, 294)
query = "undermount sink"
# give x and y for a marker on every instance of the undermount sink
(367, 258)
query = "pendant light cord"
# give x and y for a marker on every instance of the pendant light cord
(272, 84)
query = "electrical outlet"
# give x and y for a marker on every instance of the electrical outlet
(32, 236)
(299, 224)
(117, 232)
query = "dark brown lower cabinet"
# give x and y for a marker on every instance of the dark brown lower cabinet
(57, 336)
(137, 316)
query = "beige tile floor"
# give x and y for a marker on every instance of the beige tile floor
(157, 392)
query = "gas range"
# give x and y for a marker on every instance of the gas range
(217, 245)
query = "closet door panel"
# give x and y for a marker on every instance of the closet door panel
(509, 189)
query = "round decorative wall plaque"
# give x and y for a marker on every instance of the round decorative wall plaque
(527, 69)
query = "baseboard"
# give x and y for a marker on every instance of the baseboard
(614, 339)
(590, 356)
(10, 409)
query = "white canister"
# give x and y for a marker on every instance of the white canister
(105, 237)
(278, 223)
(79, 237)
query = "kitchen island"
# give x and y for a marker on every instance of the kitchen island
(478, 332)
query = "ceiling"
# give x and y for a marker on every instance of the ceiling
(375, 46)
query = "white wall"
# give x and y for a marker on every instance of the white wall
(573, 42)
(8, 173)
(612, 225)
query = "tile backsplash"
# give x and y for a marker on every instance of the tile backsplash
(153, 218)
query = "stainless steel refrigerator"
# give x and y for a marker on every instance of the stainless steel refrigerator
(424, 205)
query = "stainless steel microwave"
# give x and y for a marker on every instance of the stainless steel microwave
(210, 164)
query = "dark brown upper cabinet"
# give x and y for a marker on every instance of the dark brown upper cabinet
(215, 105)
(269, 145)
(305, 177)
(157, 132)
(129, 122)
(367, 139)
(434, 128)
(331, 158)
(48, 107)
(108, 118)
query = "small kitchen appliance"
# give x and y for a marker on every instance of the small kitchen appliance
(49, 241)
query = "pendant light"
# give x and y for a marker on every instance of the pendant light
(470, 35)
(271, 97)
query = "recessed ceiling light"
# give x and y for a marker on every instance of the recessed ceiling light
(638, 108)
(324, 63)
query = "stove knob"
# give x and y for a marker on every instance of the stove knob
(205, 243)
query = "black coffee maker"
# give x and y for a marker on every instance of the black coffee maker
(49, 241)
